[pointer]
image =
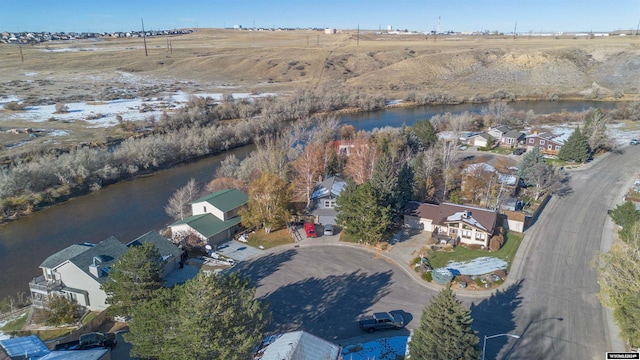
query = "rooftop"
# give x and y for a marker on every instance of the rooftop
(225, 200)
(208, 225)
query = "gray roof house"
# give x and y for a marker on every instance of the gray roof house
(215, 217)
(297, 345)
(323, 199)
(78, 271)
(512, 138)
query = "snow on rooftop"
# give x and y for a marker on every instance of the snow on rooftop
(479, 266)
(390, 348)
(464, 217)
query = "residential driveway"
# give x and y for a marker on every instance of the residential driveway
(325, 289)
(238, 251)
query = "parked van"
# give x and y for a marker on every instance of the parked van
(310, 230)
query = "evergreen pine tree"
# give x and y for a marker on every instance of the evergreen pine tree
(445, 331)
(575, 148)
(360, 212)
(134, 278)
(425, 132)
(529, 160)
(385, 182)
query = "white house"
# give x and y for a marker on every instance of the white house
(78, 271)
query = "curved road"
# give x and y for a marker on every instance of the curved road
(559, 315)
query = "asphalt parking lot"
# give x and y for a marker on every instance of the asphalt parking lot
(325, 289)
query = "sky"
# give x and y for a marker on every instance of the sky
(456, 15)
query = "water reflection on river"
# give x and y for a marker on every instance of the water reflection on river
(130, 209)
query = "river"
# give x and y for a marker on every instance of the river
(129, 209)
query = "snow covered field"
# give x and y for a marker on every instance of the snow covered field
(103, 114)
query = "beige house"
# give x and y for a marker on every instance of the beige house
(465, 224)
(78, 271)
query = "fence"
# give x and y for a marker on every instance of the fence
(93, 325)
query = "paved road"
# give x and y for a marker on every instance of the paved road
(559, 316)
(323, 290)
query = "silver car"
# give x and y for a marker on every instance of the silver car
(328, 229)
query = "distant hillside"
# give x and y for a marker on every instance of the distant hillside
(393, 65)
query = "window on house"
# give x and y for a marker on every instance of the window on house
(557, 147)
(466, 234)
(329, 203)
(550, 147)
(455, 225)
(541, 142)
(480, 236)
(204, 209)
(532, 141)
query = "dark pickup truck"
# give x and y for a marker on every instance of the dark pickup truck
(90, 341)
(382, 320)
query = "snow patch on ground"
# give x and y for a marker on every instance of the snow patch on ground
(58, 133)
(381, 349)
(8, 99)
(103, 114)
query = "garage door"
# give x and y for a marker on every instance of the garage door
(323, 219)
(412, 222)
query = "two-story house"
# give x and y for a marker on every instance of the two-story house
(78, 271)
(215, 218)
(498, 132)
(467, 224)
(323, 200)
(548, 143)
(512, 138)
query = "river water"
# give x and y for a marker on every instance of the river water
(129, 209)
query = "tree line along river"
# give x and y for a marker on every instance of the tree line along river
(131, 208)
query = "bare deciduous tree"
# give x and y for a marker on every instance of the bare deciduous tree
(179, 206)
(362, 158)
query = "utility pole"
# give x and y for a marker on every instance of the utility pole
(514, 30)
(144, 38)
(358, 36)
(317, 40)
(21, 54)
(638, 27)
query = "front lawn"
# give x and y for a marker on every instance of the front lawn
(274, 238)
(439, 259)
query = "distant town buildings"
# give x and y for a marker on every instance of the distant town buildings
(28, 37)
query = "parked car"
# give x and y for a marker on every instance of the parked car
(519, 151)
(328, 229)
(89, 341)
(310, 230)
(634, 142)
(463, 284)
(496, 277)
(382, 320)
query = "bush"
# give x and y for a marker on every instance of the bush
(496, 242)
(479, 282)
(13, 106)
(61, 108)
(427, 276)
(473, 246)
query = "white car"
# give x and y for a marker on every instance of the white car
(328, 229)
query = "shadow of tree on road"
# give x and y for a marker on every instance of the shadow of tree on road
(264, 266)
(540, 339)
(327, 307)
(495, 315)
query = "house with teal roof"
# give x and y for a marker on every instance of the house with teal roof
(215, 218)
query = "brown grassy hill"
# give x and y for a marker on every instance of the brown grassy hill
(225, 60)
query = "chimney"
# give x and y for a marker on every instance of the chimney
(94, 269)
